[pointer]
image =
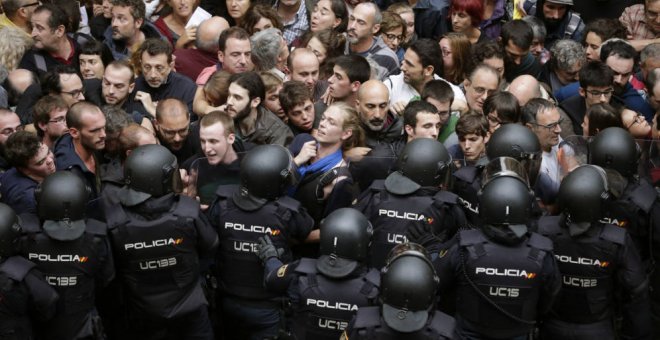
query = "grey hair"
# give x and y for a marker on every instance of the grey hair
(13, 44)
(265, 48)
(538, 27)
(566, 53)
(378, 15)
(650, 51)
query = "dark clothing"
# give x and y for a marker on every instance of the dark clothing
(17, 191)
(268, 129)
(176, 86)
(571, 25)
(97, 26)
(378, 163)
(522, 278)
(595, 266)
(209, 177)
(118, 47)
(190, 62)
(369, 325)
(528, 65)
(392, 131)
(492, 27)
(66, 158)
(40, 61)
(26, 297)
(190, 147)
(575, 107)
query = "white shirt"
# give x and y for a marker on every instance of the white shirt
(402, 91)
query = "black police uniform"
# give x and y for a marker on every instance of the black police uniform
(368, 324)
(393, 215)
(500, 289)
(322, 306)
(248, 306)
(25, 297)
(76, 269)
(595, 265)
(467, 182)
(158, 244)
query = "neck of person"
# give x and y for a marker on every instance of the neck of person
(362, 45)
(473, 34)
(48, 141)
(87, 156)
(230, 156)
(136, 40)
(248, 123)
(64, 48)
(420, 85)
(326, 149)
(288, 12)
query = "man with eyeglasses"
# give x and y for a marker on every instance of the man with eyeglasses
(567, 58)
(17, 14)
(481, 82)
(64, 81)
(9, 124)
(543, 118)
(175, 131)
(50, 119)
(643, 23)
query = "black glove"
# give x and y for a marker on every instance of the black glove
(422, 234)
(266, 249)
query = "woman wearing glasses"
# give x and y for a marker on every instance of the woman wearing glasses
(393, 32)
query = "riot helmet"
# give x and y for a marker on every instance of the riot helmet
(424, 162)
(149, 171)
(345, 235)
(582, 195)
(266, 172)
(61, 203)
(505, 203)
(10, 230)
(408, 288)
(519, 142)
(614, 148)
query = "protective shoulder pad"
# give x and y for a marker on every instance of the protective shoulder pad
(115, 215)
(226, 191)
(187, 207)
(541, 242)
(30, 223)
(446, 197)
(289, 203)
(306, 266)
(16, 267)
(377, 185)
(613, 234)
(549, 225)
(443, 324)
(644, 196)
(96, 227)
(466, 173)
(470, 237)
(367, 317)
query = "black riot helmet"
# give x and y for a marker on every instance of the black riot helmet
(614, 148)
(149, 171)
(582, 194)
(505, 202)
(345, 237)
(408, 288)
(266, 172)
(519, 142)
(424, 162)
(10, 230)
(61, 203)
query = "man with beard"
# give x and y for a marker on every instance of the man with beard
(379, 123)
(128, 28)
(116, 89)
(9, 124)
(50, 119)
(174, 129)
(255, 124)
(32, 161)
(296, 101)
(76, 150)
(641, 22)
(559, 19)
(516, 39)
(158, 81)
(17, 13)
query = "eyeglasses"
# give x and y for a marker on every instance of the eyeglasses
(551, 126)
(393, 37)
(32, 4)
(75, 93)
(58, 120)
(639, 118)
(481, 90)
(10, 131)
(597, 93)
(651, 15)
(171, 133)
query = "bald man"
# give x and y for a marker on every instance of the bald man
(379, 124)
(304, 66)
(174, 129)
(191, 61)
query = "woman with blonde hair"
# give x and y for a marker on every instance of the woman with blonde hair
(13, 45)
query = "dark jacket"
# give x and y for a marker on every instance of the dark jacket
(66, 158)
(176, 86)
(118, 47)
(17, 191)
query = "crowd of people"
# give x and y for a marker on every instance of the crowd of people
(277, 169)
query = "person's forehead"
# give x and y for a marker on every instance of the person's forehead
(425, 116)
(619, 64)
(58, 111)
(593, 38)
(92, 116)
(548, 116)
(214, 130)
(121, 9)
(234, 44)
(160, 58)
(411, 56)
(90, 57)
(9, 120)
(304, 61)
(117, 75)
(363, 12)
(235, 88)
(70, 80)
(338, 69)
(484, 78)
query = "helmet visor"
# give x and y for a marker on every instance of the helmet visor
(505, 166)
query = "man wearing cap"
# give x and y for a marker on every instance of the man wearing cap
(560, 20)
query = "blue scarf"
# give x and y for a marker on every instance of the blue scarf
(324, 164)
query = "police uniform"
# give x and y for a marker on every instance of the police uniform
(75, 269)
(467, 182)
(594, 266)
(26, 297)
(368, 324)
(392, 215)
(500, 289)
(322, 306)
(158, 245)
(250, 311)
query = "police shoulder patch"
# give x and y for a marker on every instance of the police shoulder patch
(282, 270)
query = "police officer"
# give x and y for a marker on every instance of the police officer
(505, 276)
(412, 196)
(72, 252)
(407, 301)
(158, 238)
(326, 292)
(26, 296)
(510, 140)
(243, 213)
(595, 261)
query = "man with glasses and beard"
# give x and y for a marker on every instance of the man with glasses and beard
(174, 130)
